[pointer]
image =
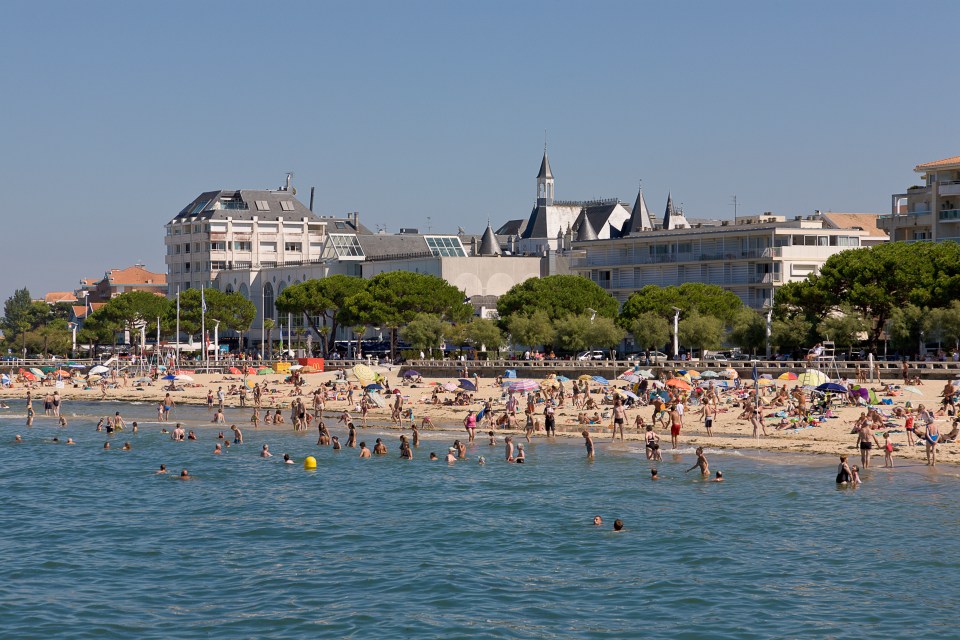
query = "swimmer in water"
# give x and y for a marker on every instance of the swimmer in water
(70, 441)
(433, 456)
(451, 455)
(163, 469)
(618, 525)
(701, 462)
(597, 521)
(18, 438)
(653, 474)
(719, 477)
(135, 427)
(265, 452)
(62, 421)
(287, 459)
(126, 446)
(185, 475)
(588, 443)
(218, 449)
(521, 455)
(481, 460)
(106, 445)
(364, 452)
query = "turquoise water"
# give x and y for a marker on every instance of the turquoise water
(95, 545)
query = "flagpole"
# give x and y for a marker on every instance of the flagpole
(203, 327)
(176, 361)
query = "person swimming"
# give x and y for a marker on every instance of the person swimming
(597, 521)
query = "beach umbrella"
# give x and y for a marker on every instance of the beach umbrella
(467, 385)
(663, 395)
(142, 380)
(75, 365)
(766, 376)
(585, 378)
(909, 389)
(656, 384)
(549, 384)
(678, 383)
(730, 374)
(234, 371)
(363, 373)
(296, 367)
(710, 374)
(694, 375)
(450, 386)
(812, 378)
(600, 380)
(645, 373)
(789, 375)
(563, 379)
(510, 373)
(410, 373)
(62, 372)
(38, 372)
(250, 384)
(169, 377)
(373, 387)
(629, 377)
(265, 371)
(765, 382)
(28, 375)
(523, 385)
(183, 378)
(377, 399)
(832, 387)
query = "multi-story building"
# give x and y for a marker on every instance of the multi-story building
(244, 229)
(117, 281)
(749, 256)
(929, 211)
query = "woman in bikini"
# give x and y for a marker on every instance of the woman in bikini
(653, 444)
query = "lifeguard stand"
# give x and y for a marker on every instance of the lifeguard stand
(827, 361)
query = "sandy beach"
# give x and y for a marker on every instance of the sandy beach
(832, 437)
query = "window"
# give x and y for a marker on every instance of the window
(268, 228)
(293, 246)
(196, 228)
(176, 249)
(286, 205)
(445, 246)
(200, 207)
(244, 291)
(268, 247)
(218, 265)
(242, 246)
(345, 245)
(263, 205)
(197, 247)
(268, 301)
(186, 248)
(218, 246)
(186, 267)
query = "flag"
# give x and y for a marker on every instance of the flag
(203, 302)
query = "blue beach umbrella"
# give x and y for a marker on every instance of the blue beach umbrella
(410, 373)
(600, 380)
(562, 379)
(169, 377)
(467, 385)
(373, 387)
(832, 387)
(510, 373)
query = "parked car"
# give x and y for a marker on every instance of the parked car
(596, 354)
(655, 356)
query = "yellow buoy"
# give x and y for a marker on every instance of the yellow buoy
(309, 462)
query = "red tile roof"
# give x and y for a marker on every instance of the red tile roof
(59, 296)
(938, 164)
(136, 275)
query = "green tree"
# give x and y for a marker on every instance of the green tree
(134, 309)
(650, 330)
(791, 333)
(531, 330)
(908, 326)
(95, 331)
(424, 331)
(949, 322)
(268, 326)
(321, 298)
(604, 332)
(701, 331)
(572, 332)
(557, 296)
(749, 330)
(690, 297)
(843, 328)
(484, 333)
(21, 315)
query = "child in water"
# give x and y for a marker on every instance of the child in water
(887, 450)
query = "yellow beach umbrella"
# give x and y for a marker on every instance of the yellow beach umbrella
(363, 373)
(585, 378)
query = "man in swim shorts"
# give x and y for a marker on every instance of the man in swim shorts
(675, 424)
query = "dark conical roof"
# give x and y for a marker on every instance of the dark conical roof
(585, 230)
(639, 217)
(489, 245)
(672, 218)
(545, 171)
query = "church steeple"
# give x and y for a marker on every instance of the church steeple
(545, 181)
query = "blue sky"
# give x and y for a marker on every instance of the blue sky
(116, 114)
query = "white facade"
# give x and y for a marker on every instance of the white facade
(750, 259)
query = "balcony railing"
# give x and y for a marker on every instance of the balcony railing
(596, 260)
(949, 215)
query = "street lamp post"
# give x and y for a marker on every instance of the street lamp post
(769, 332)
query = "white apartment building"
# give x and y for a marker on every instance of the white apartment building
(749, 256)
(243, 229)
(928, 211)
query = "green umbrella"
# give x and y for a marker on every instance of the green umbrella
(265, 371)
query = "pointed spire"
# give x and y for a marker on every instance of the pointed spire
(639, 217)
(545, 172)
(673, 218)
(585, 230)
(489, 245)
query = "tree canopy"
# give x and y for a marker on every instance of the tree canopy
(689, 297)
(557, 296)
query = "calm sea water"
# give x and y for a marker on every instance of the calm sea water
(95, 545)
